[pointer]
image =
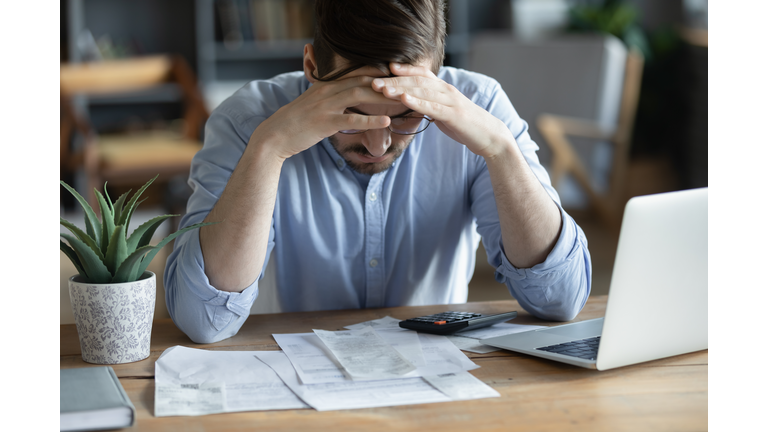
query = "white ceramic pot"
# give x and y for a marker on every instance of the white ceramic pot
(114, 321)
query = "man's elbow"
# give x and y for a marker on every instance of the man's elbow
(198, 325)
(563, 307)
(202, 332)
(205, 338)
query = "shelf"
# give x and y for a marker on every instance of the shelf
(163, 93)
(262, 50)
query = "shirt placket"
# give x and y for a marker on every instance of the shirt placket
(374, 242)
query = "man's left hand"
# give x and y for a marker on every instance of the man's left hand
(458, 117)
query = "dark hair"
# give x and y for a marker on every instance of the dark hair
(377, 32)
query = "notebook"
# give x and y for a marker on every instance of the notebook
(657, 300)
(91, 398)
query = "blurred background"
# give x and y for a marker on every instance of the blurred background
(614, 92)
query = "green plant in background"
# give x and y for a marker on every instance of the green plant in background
(614, 17)
(105, 253)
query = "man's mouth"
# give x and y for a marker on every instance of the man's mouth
(370, 159)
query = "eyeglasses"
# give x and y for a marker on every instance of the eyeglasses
(409, 124)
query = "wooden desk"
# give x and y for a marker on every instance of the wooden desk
(536, 394)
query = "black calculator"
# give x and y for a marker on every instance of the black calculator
(451, 322)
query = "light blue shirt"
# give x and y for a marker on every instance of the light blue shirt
(408, 237)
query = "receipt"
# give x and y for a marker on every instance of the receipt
(189, 399)
(192, 381)
(461, 386)
(382, 323)
(353, 394)
(364, 354)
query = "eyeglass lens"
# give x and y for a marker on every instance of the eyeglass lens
(407, 125)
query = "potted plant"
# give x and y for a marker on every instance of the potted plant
(113, 295)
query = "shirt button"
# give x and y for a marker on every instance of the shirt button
(339, 163)
(372, 196)
(373, 263)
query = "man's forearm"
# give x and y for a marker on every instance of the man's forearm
(530, 220)
(235, 249)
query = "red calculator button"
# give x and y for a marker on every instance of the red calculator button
(440, 322)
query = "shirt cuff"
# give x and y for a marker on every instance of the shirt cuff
(238, 303)
(555, 261)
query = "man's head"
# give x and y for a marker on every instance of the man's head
(362, 37)
(377, 33)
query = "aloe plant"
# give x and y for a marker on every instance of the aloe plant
(104, 253)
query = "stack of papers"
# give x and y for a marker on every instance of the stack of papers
(372, 364)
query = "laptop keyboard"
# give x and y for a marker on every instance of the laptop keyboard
(584, 348)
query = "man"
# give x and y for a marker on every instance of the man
(370, 178)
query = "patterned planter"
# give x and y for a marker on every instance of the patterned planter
(114, 321)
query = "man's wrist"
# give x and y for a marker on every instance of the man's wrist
(502, 149)
(265, 149)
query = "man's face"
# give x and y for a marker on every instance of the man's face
(374, 150)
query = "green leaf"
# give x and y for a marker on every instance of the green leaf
(95, 270)
(148, 258)
(125, 217)
(70, 253)
(107, 221)
(85, 238)
(93, 226)
(117, 250)
(109, 200)
(142, 235)
(127, 269)
(136, 205)
(118, 207)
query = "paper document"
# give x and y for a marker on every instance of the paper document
(461, 386)
(382, 323)
(353, 394)
(364, 354)
(431, 354)
(188, 382)
(442, 356)
(189, 399)
(406, 342)
(311, 359)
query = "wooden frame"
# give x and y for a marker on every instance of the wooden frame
(132, 164)
(556, 130)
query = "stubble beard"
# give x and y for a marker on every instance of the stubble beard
(368, 168)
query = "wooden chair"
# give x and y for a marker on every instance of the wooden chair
(556, 130)
(128, 159)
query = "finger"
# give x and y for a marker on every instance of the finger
(427, 94)
(418, 86)
(358, 121)
(382, 84)
(360, 95)
(405, 69)
(432, 109)
(406, 75)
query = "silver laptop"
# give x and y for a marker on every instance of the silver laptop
(657, 302)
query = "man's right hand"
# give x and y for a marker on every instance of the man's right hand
(319, 113)
(235, 250)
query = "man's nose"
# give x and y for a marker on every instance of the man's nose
(377, 141)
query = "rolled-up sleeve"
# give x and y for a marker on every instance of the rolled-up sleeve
(557, 288)
(203, 312)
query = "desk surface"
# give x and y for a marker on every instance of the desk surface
(536, 394)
